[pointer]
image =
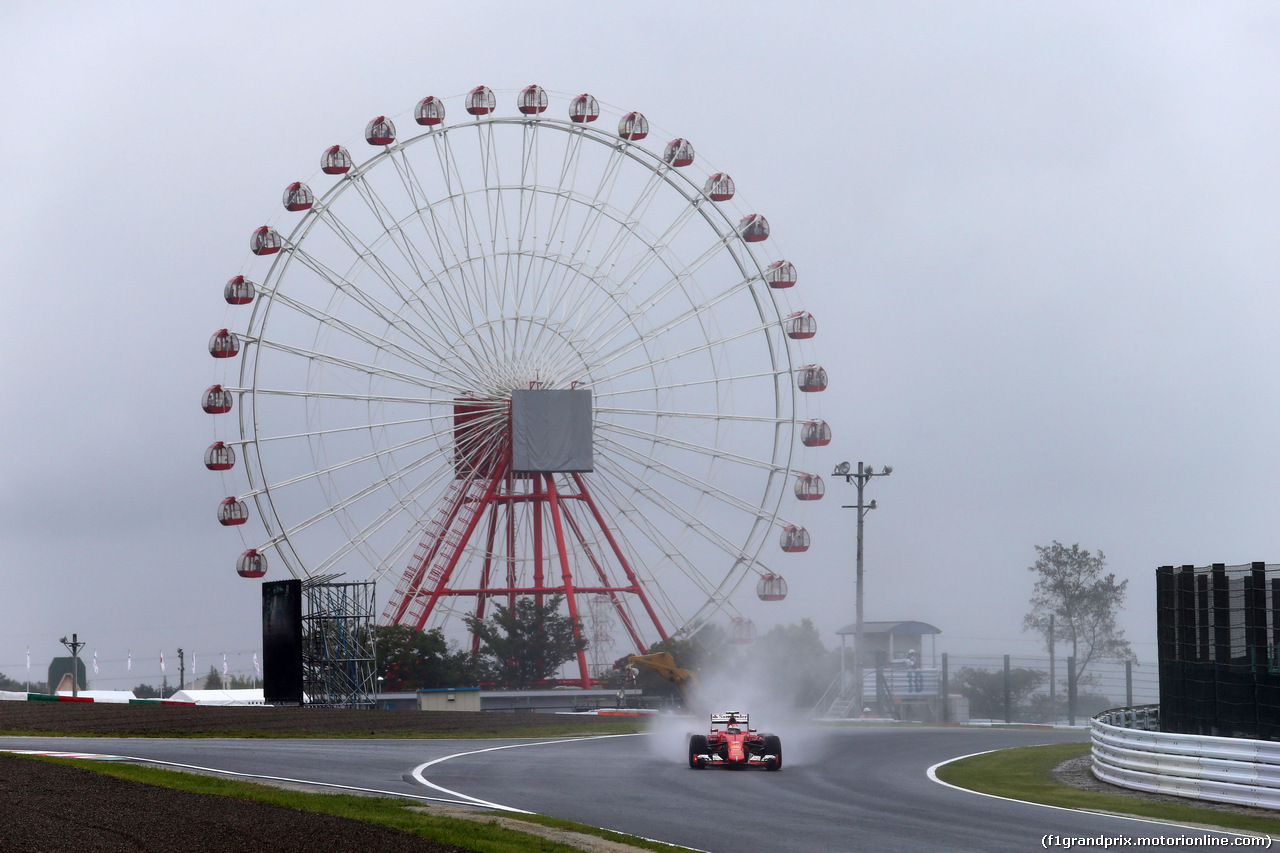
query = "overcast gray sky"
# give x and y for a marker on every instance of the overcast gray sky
(1039, 239)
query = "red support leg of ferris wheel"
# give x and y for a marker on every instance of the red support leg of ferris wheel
(487, 489)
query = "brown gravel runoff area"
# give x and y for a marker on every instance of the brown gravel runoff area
(52, 807)
(101, 719)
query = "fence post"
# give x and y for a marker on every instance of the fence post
(1008, 692)
(1128, 684)
(946, 691)
(1071, 690)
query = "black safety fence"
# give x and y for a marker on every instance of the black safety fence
(1218, 629)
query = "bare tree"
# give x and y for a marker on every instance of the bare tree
(1082, 601)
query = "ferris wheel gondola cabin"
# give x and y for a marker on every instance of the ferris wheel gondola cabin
(679, 152)
(298, 197)
(481, 101)
(232, 511)
(771, 587)
(584, 108)
(251, 564)
(380, 131)
(265, 240)
(336, 160)
(219, 456)
(224, 344)
(217, 400)
(815, 433)
(742, 631)
(239, 291)
(800, 326)
(429, 112)
(780, 275)
(794, 539)
(719, 187)
(633, 127)
(810, 487)
(754, 228)
(811, 379)
(532, 100)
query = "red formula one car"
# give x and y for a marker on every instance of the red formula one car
(733, 743)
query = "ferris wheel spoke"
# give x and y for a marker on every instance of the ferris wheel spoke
(398, 237)
(319, 472)
(557, 293)
(343, 504)
(372, 425)
(360, 368)
(419, 313)
(717, 453)
(674, 323)
(438, 363)
(396, 553)
(701, 416)
(681, 276)
(676, 475)
(334, 395)
(715, 380)
(457, 198)
(691, 522)
(361, 297)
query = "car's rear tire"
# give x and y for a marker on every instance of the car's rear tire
(773, 746)
(697, 749)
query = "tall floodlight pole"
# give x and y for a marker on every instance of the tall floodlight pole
(74, 647)
(859, 478)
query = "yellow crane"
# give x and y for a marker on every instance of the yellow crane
(665, 665)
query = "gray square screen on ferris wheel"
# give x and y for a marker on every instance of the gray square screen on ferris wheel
(551, 431)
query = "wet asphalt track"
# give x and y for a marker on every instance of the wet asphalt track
(839, 790)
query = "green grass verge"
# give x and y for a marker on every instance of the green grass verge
(1026, 773)
(482, 836)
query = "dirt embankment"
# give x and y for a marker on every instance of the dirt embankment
(104, 719)
(50, 807)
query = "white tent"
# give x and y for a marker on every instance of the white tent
(220, 697)
(118, 696)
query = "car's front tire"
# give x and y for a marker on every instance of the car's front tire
(697, 749)
(773, 746)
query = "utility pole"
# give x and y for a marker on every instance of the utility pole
(74, 647)
(860, 478)
(182, 671)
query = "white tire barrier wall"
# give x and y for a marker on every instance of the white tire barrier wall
(1220, 769)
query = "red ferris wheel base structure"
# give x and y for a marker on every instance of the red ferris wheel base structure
(563, 520)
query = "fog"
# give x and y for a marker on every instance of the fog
(1038, 240)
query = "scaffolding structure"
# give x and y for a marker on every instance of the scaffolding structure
(338, 652)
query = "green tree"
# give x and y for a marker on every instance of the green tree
(793, 661)
(213, 681)
(525, 645)
(242, 682)
(410, 659)
(984, 689)
(7, 683)
(146, 691)
(1071, 587)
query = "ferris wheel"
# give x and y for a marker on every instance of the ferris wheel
(515, 354)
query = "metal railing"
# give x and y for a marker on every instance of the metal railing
(1129, 751)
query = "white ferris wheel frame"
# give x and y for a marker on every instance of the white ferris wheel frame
(784, 357)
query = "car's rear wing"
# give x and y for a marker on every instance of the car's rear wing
(723, 719)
